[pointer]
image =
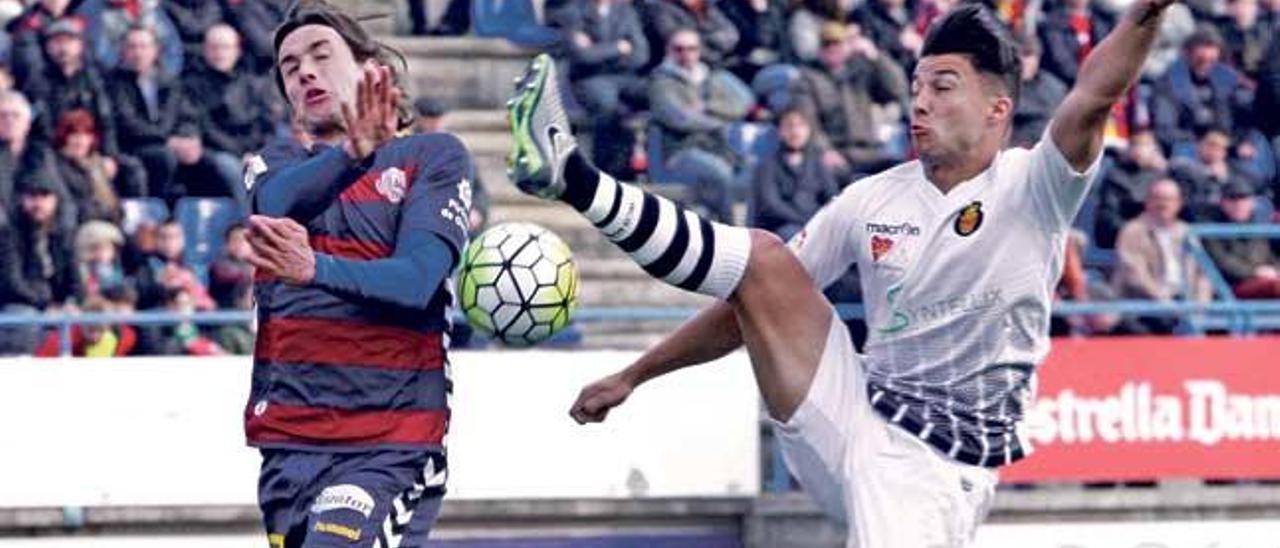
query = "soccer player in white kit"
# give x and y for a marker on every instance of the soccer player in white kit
(959, 253)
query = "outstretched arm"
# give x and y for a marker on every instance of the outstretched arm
(708, 336)
(1103, 80)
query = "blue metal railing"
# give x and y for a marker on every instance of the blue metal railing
(1228, 311)
(1240, 317)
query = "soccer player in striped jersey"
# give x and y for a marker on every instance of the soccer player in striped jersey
(354, 233)
(959, 253)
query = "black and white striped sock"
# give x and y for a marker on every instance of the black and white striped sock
(670, 243)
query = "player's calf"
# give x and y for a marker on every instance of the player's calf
(669, 242)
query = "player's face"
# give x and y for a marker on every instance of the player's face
(951, 109)
(320, 74)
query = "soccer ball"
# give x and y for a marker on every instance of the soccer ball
(518, 283)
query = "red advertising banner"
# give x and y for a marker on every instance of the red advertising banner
(1151, 408)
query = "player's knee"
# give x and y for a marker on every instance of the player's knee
(768, 253)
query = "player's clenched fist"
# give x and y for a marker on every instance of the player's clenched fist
(281, 248)
(375, 115)
(596, 399)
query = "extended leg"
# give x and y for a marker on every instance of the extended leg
(782, 318)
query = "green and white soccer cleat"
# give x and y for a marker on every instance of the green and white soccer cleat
(541, 136)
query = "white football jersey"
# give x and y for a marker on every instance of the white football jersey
(957, 287)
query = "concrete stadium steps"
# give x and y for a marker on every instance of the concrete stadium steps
(467, 72)
(475, 77)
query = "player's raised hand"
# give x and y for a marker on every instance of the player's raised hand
(598, 398)
(281, 247)
(373, 119)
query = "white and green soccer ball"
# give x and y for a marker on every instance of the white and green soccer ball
(518, 283)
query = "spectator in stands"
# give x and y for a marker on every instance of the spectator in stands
(693, 106)
(191, 18)
(1199, 90)
(1125, 183)
(97, 256)
(1178, 25)
(1245, 36)
(231, 286)
(804, 30)
(1074, 286)
(1270, 12)
(231, 275)
(236, 109)
(27, 32)
(890, 25)
(455, 21)
(841, 92)
(790, 186)
(1152, 261)
(1204, 178)
(1267, 101)
(41, 247)
(93, 340)
(165, 270)
(432, 117)
(256, 20)
(18, 153)
(716, 33)
(607, 49)
(16, 297)
(762, 40)
(120, 17)
(1248, 264)
(94, 180)
(185, 338)
(68, 82)
(1041, 94)
(140, 247)
(153, 117)
(1068, 34)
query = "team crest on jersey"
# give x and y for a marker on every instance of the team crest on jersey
(969, 219)
(880, 246)
(391, 185)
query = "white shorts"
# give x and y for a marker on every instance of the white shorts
(889, 489)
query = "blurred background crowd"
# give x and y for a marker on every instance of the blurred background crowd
(124, 126)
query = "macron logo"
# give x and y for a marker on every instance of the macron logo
(904, 229)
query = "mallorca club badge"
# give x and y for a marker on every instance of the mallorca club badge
(969, 219)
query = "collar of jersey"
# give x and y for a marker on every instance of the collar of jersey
(960, 195)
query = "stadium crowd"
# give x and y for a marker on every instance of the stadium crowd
(125, 125)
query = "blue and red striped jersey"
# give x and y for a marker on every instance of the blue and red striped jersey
(358, 358)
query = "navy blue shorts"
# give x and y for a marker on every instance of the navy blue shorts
(378, 499)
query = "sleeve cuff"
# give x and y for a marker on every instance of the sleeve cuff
(1059, 160)
(324, 270)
